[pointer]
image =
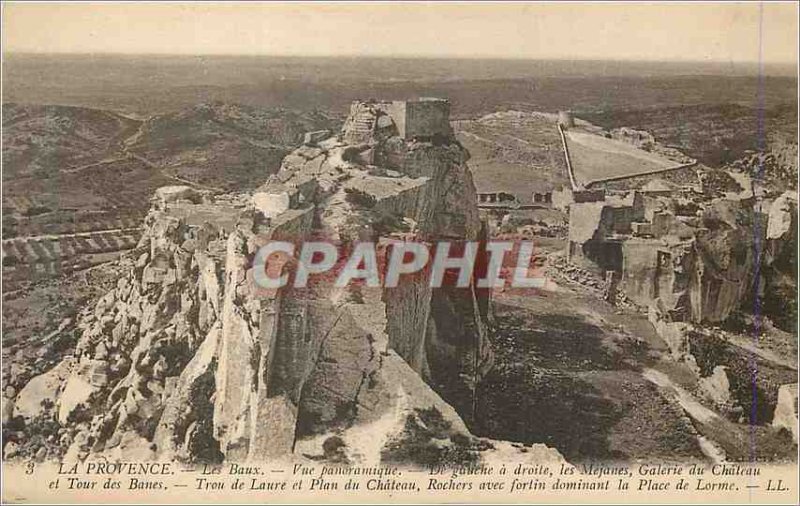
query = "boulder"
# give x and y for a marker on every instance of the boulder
(675, 334)
(42, 388)
(271, 204)
(10, 450)
(717, 387)
(7, 410)
(786, 412)
(169, 194)
(780, 215)
(76, 393)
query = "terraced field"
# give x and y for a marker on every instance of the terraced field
(69, 223)
(32, 259)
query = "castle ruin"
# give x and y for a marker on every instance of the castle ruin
(424, 118)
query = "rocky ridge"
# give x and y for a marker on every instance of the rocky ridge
(186, 359)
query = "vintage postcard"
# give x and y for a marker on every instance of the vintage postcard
(415, 252)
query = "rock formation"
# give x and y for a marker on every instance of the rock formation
(786, 411)
(692, 258)
(780, 262)
(187, 358)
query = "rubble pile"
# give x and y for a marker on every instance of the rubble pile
(780, 165)
(558, 265)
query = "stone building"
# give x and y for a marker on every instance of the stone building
(498, 199)
(424, 118)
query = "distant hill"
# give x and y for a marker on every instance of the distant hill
(147, 84)
(75, 158)
(514, 152)
(60, 163)
(39, 140)
(77, 181)
(232, 147)
(715, 134)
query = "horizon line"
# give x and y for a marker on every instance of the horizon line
(403, 56)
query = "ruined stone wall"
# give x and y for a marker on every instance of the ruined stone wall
(423, 118)
(617, 220)
(426, 118)
(681, 177)
(593, 229)
(713, 266)
(695, 268)
(658, 275)
(688, 280)
(397, 110)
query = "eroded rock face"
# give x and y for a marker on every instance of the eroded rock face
(188, 358)
(321, 348)
(717, 386)
(39, 389)
(780, 262)
(690, 258)
(786, 411)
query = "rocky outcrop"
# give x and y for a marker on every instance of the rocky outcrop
(716, 387)
(674, 333)
(188, 358)
(41, 389)
(780, 262)
(786, 411)
(690, 258)
(326, 345)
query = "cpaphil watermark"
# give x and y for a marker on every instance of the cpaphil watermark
(486, 265)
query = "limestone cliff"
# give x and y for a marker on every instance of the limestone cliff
(187, 359)
(701, 269)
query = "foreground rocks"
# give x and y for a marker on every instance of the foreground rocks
(187, 359)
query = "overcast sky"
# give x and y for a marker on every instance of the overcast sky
(645, 31)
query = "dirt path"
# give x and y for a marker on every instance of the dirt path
(693, 408)
(768, 355)
(81, 168)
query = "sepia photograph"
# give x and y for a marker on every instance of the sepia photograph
(417, 252)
